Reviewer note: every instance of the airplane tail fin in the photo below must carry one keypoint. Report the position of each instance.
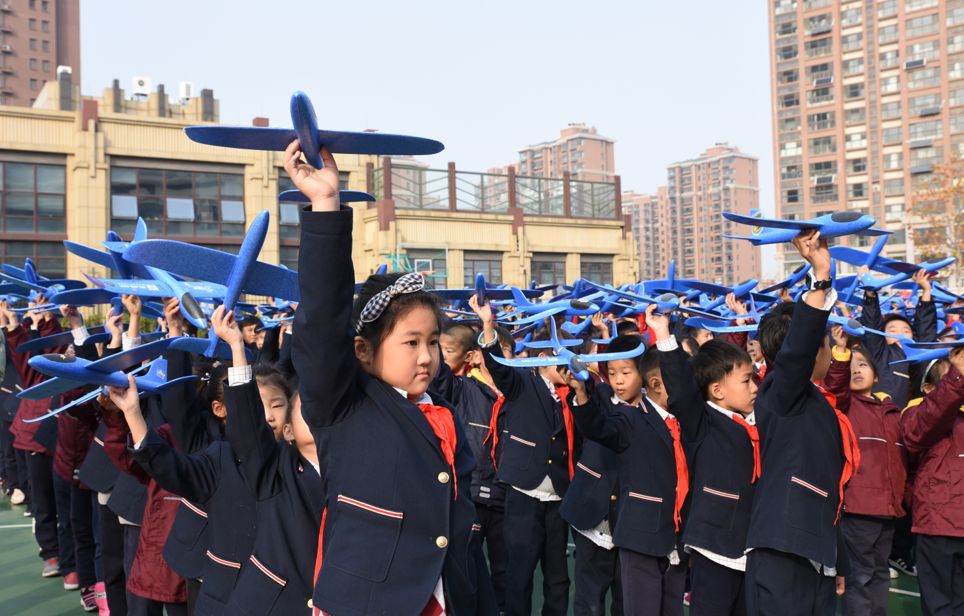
(519, 297)
(140, 231)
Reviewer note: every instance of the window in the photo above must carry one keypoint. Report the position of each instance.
(931, 50)
(431, 264)
(889, 85)
(891, 135)
(819, 47)
(824, 167)
(855, 141)
(33, 44)
(853, 67)
(921, 26)
(820, 71)
(929, 155)
(887, 34)
(957, 97)
(549, 268)
(781, 7)
(820, 23)
(955, 43)
(791, 148)
(920, 103)
(821, 121)
(822, 145)
(857, 190)
(489, 264)
(888, 8)
(823, 194)
(45, 45)
(889, 59)
(787, 52)
(33, 198)
(790, 172)
(32, 24)
(34, 84)
(857, 165)
(288, 256)
(48, 257)
(923, 78)
(956, 70)
(850, 17)
(894, 187)
(180, 203)
(288, 211)
(925, 130)
(33, 64)
(955, 16)
(597, 268)
(855, 116)
(852, 41)
(45, 26)
(789, 100)
(790, 124)
(916, 5)
(46, 66)
(893, 160)
(820, 95)
(890, 110)
(786, 29)
(789, 76)
(853, 90)
(791, 195)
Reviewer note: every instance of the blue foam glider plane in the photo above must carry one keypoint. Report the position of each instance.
(29, 278)
(563, 356)
(777, 231)
(311, 139)
(71, 372)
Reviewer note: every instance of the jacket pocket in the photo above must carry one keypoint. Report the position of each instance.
(363, 539)
(805, 506)
(517, 452)
(220, 578)
(191, 525)
(721, 506)
(259, 587)
(641, 512)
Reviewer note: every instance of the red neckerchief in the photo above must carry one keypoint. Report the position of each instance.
(682, 471)
(850, 448)
(563, 392)
(754, 434)
(493, 432)
(443, 425)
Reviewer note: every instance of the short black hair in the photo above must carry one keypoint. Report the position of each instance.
(462, 332)
(628, 342)
(627, 327)
(269, 375)
(773, 329)
(715, 360)
(896, 316)
(399, 306)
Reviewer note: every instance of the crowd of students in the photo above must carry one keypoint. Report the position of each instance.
(375, 457)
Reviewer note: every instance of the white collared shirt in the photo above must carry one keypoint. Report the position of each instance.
(750, 419)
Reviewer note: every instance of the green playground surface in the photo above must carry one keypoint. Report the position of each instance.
(24, 593)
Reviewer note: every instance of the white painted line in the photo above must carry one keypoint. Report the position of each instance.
(16, 526)
(909, 593)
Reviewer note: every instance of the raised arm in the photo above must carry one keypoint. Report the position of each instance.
(925, 315)
(505, 378)
(252, 439)
(685, 401)
(928, 422)
(594, 417)
(837, 380)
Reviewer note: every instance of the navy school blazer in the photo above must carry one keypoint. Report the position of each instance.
(215, 480)
(536, 443)
(647, 470)
(277, 576)
(720, 463)
(393, 526)
(594, 490)
(128, 499)
(796, 497)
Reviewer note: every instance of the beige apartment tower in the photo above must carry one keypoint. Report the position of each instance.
(868, 97)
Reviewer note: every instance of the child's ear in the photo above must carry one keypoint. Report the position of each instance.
(715, 390)
(287, 433)
(363, 351)
(219, 409)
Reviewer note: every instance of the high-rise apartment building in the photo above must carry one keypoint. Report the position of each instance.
(683, 221)
(867, 98)
(580, 151)
(36, 37)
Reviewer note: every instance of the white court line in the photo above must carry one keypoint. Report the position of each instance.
(909, 593)
(16, 526)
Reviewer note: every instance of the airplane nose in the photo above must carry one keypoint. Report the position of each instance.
(191, 308)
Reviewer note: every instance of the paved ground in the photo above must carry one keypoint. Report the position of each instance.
(24, 592)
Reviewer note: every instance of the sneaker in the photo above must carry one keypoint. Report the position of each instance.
(71, 581)
(51, 568)
(894, 573)
(904, 566)
(100, 597)
(88, 599)
(17, 497)
(27, 513)
(687, 596)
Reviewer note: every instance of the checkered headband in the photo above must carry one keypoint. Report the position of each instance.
(408, 283)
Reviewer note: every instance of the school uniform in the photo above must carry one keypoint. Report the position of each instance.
(648, 521)
(537, 462)
(214, 479)
(724, 467)
(590, 507)
(277, 577)
(395, 531)
(934, 435)
(874, 497)
(792, 531)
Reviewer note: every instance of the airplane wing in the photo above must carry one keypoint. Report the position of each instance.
(54, 340)
(599, 357)
(49, 388)
(773, 223)
(83, 297)
(338, 142)
(493, 294)
(344, 196)
(91, 254)
(213, 266)
(126, 359)
(137, 286)
(532, 362)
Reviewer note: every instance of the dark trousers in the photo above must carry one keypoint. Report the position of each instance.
(493, 537)
(905, 541)
(112, 561)
(596, 572)
(651, 586)
(717, 590)
(65, 532)
(534, 531)
(82, 525)
(193, 590)
(868, 542)
(43, 503)
(8, 458)
(940, 572)
(786, 585)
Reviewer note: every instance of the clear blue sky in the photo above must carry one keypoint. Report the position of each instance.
(664, 79)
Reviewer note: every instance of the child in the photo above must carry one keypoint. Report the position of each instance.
(392, 453)
(653, 477)
(933, 432)
(537, 462)
(808, 454)
(713, 397)
(874, 497)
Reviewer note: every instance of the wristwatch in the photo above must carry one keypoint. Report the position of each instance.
(821, 285)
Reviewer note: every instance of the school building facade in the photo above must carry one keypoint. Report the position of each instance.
(72, 167)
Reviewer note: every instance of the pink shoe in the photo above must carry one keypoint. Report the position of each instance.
(71, 581)
(100, 597)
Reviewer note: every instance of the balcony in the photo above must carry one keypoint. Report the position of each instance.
(414, 187)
